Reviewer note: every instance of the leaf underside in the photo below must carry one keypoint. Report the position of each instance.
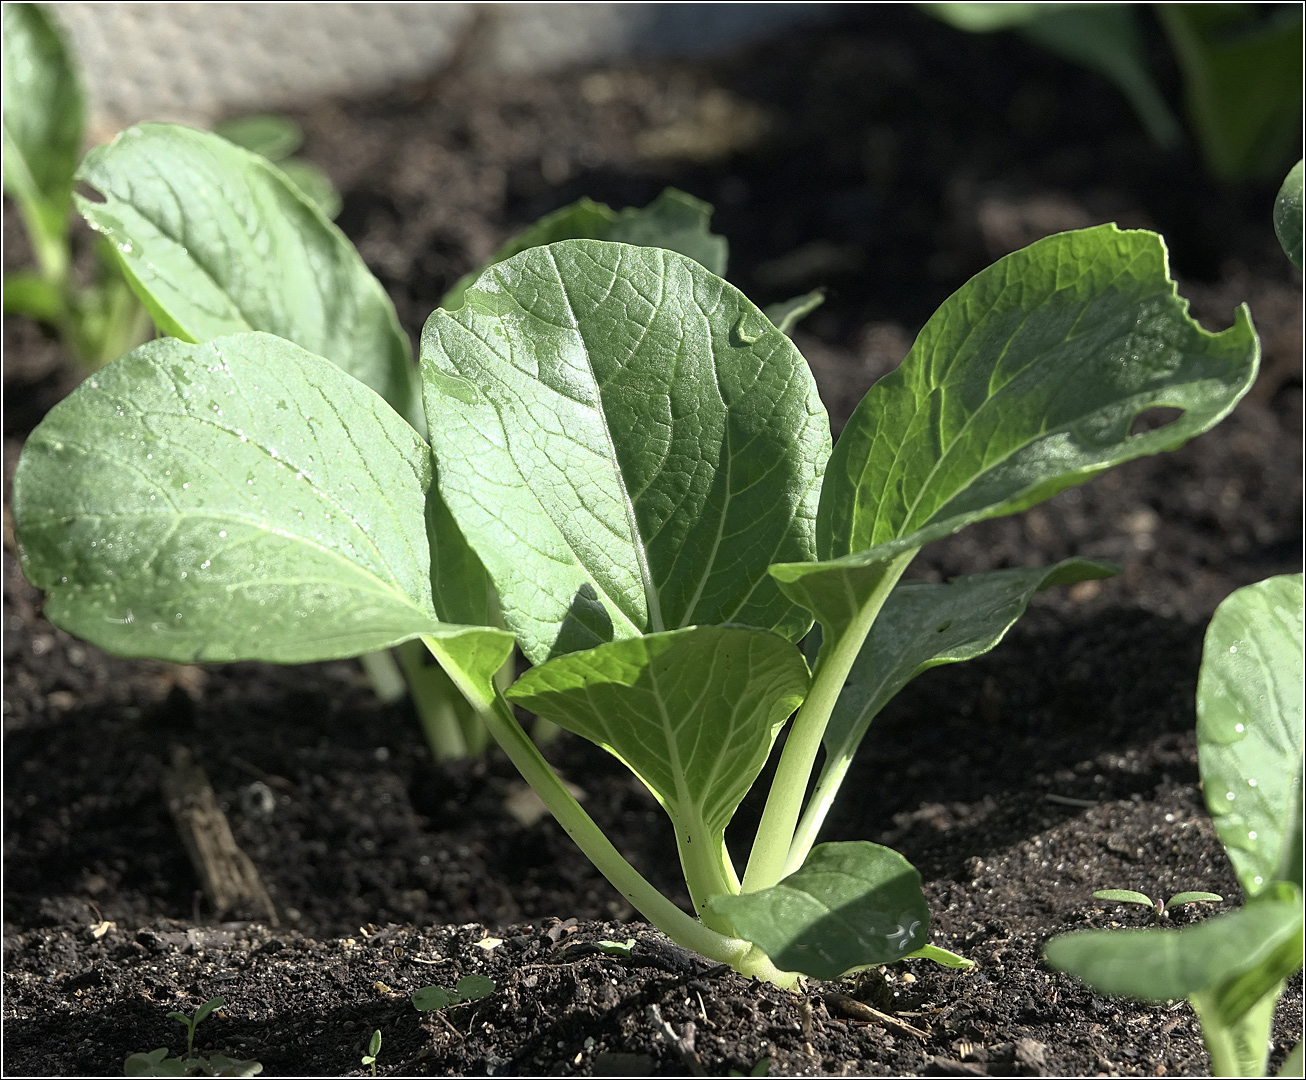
(242, 499)
(626, 442)
(1249, 728)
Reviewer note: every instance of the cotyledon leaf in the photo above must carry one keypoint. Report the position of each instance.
(851, 904)
(692, 712)
(215, 240)
(674, 220)
(626, 442)
(1025, 382)
(1249, 728)
(242, 499)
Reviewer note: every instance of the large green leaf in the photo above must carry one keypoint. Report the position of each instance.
(674, 220)
(242, 499)
(692, 712)
(1288, 215)
(43, 109)
(1157, 965)
(1025, 382)
(1242, 67)
(626, 442)
(1249, 728)
(215, 240)
(850, 905)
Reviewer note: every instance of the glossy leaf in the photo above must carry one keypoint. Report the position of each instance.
(1249, 727)
(1158, 965)
(1192, 898)
(216, 240)
(851, 904)
(44, 111)
(242, 499)
(626, 442)
(1288, 215)
(1123, 896)
(1025, 382)
(674, 220)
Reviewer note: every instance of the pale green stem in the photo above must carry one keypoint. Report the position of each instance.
(1241, 1048)
(707, 868)
(682, 928)
(809, 826)
(384, 676)
(766, 864)
(433, 696)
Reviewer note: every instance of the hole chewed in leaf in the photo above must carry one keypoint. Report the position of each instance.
(1152, 419)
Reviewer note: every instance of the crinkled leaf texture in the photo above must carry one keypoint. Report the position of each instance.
(1025, 382)
(850, 904)
(692, 712)
(1157, 965)
(626, 442)
(242, 499)
(674, 220)
(1249, 729)
(215, 240)
(43, 112)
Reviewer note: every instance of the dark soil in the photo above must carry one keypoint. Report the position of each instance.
(888, 159)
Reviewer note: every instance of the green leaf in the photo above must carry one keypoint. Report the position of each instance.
(923, 625)
(242, 499)
(1158, 965)
(1123, 896)
(616, 948)
(790, 313)
(155, 1063)
(1288, 215)
(626, 442)
(221, 1065)
(374, 1044)
(674, 220)
(980, 18)
(1249, 727)
(43, 110)
(203, 1011)
(274, 137)
(1192, 898)
(1295, 1064)
(941, 956)
(1243, 82)
(474, 987)
(1023, 383)
(693, 713)
(851, 904)
(314, 183)
(215, 240)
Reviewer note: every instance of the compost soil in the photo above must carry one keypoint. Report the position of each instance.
(887, 159)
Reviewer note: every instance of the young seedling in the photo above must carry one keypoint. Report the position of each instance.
(1232, 966)
(627, 475)
(158, 1063)
(373, 1050)
(468, 988)
(1159, 907)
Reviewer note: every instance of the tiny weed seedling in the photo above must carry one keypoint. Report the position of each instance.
(622, 467)
(1159, 907)
(468, 988)
(158, 1063)
(373, 1049)
(1232, 966)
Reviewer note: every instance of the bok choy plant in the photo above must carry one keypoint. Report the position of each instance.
(627, 473)
(1232, 966)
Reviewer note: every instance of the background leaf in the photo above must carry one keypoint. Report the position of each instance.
(216, 240)
(242, 499)
(1025, 382)
(626, 442)
(44, 110)
(1288, 215)
(789, 313)
(692, 712)
(1157, 965)
(272, 136)
(851, 904)
(1249, 727)
(674, 220)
